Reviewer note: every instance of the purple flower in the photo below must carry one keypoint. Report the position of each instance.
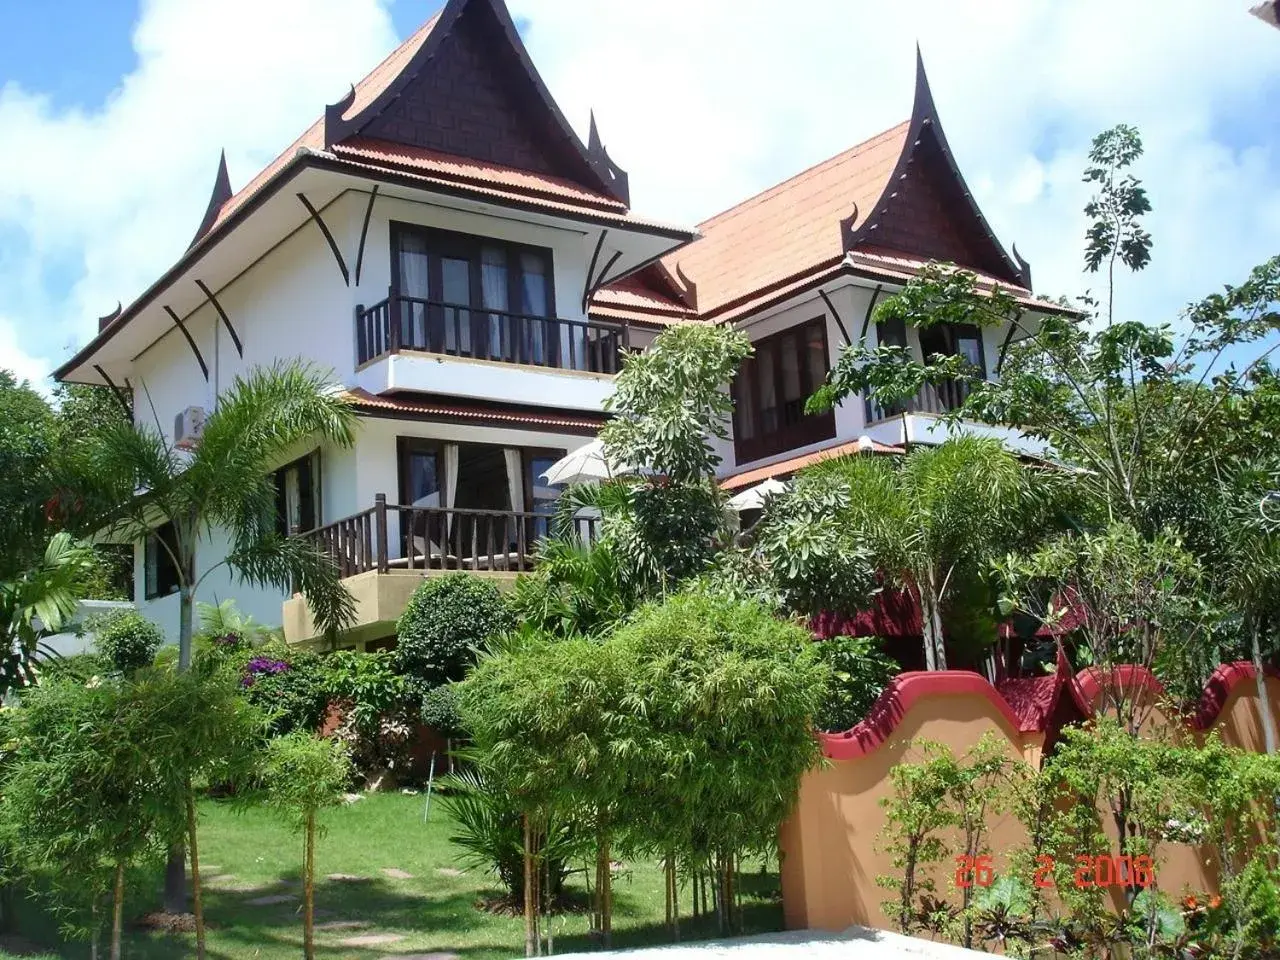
(228, 640)
(259, 666)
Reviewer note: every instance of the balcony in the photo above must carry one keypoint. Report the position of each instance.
(401, 323)
(930, 398)
(384, 552)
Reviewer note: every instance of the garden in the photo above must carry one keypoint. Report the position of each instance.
(604, 755)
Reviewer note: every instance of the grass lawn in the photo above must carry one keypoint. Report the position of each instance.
(250, 855)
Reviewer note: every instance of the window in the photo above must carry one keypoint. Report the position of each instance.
(954, 339)
(944, 339)
(298, 495)
(476, 297)
(771, 389)
(161, 572)
(542, 495)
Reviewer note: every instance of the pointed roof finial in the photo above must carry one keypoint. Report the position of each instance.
(923, 105)
(593, 136)
(220, 195)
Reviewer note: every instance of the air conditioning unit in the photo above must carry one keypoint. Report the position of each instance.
(187, 427)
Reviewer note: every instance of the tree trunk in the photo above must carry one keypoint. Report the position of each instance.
(309, 888)
(175, 873)
(673, 896)
(1264, 698)
(606, 893)
(530, 943)
(117, 912)
(935, 656)
(197, 906)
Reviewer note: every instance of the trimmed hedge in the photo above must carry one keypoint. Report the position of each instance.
(445, 619)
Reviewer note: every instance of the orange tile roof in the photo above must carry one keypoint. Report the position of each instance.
(632, 299)
(467, 170)
(791, 229)
(904, 265)
(785, 468)
(448, 409)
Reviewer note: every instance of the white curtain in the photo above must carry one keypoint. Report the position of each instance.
(493, 288)
(414, 282)
(450, 481)
(515, 477)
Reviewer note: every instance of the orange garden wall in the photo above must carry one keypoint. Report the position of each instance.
(829, 844)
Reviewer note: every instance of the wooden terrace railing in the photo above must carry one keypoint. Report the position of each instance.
(461, 330)
(388, 536)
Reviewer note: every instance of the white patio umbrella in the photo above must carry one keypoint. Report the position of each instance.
(753, 498)
(587, 464)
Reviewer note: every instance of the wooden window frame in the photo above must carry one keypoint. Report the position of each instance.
(407, 445)
(469, 246)
(811, 428)
(163, 560)
(317, 488)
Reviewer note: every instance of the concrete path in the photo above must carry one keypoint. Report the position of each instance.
(859, 942)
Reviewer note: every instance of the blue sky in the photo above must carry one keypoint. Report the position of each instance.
(76, 51)
(121, 107)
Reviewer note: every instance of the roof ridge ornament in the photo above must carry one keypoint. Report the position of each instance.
(110, 318)
(333, 113)
(220, 195)
(1024, 268)
(598, 157)
(690, 290)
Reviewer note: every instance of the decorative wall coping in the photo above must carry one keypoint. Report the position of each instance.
(1027, 704)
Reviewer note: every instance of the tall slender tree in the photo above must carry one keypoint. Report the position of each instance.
(133, 480)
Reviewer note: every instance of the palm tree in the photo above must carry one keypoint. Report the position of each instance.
(933, 521)
(133, 480)
(137, 481)
(39, 601)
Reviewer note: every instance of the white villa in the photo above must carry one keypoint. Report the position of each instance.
(471, 271)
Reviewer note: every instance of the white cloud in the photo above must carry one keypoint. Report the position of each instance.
(24, 366)
(95, 205)
(706, 103)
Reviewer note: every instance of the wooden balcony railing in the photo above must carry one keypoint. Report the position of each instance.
(388, 536)
(930, 398)
(460, 330)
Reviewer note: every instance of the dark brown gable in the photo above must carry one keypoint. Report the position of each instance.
(927, 210)
(463, 102)
(928, 215)
(471, 91)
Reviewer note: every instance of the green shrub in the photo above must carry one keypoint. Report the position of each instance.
(488, 829)
(439, 710)
(860, 670)
(367, 683)
(126, 639)
(77, 667)
(445, 619)
(291, 686)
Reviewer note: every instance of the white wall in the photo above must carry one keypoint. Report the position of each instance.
(293, 303)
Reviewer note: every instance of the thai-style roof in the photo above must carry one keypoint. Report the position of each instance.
(457, 109)
(460, 88)
(881, 209)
